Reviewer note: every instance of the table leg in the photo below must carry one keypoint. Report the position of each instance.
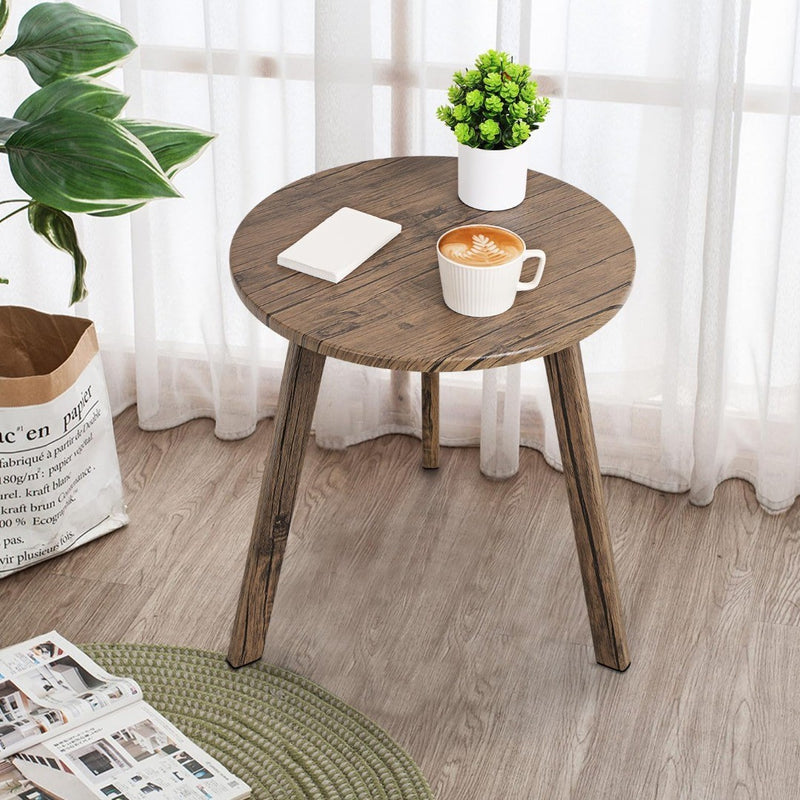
(302, 374)
(582, 472)
(430, 420)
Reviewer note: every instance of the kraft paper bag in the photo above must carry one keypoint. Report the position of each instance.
(60, 485)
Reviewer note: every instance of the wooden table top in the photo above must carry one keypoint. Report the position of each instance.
(389, 312)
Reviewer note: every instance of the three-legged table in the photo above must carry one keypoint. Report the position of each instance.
(390, 313)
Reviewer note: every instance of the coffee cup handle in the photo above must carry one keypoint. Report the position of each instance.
(524, 286)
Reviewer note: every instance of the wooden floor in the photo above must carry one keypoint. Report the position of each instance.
(449, 609)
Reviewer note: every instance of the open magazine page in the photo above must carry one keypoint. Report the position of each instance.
(15, 786)
(132, 752)
(47, 684)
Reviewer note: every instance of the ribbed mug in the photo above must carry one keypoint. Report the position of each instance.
(483, 288)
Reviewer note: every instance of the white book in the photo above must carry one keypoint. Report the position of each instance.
(339, 244)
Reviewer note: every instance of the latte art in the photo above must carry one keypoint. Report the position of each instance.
(481, 246)
(483, 251)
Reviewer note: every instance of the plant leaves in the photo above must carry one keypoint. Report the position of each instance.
(58, 229)
(78, 94)
(8, 126)
(55, 40)
(117, 212)
(3, 14)
(76, 162)
(174, 146)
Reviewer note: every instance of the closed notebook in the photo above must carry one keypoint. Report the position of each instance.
(339, 244)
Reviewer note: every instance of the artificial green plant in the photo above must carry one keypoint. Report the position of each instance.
(67, 149)
(493, 106)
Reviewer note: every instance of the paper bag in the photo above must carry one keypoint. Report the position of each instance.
(60, 484)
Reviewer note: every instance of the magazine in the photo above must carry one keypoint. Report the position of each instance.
(69, 730)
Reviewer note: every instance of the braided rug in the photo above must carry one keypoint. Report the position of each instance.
(283, 735)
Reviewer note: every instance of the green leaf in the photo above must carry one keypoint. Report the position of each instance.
(493, 104)
(117, 212)
(461, 113)
(455, 94)
(8, 126)
(77, 162)
(493, 82)
(465, 134)
(445, 114)
(528, 92)
(56, 40)
(58, 229)
(3, 14)
(174, 146)
(518, 110)
(78, 94)
(474, 99)
(489, 131)
(541, 107)
(509, 91)
(473, 79)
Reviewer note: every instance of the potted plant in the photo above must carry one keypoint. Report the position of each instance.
(69, 153)
(493, 110)
(67, 149)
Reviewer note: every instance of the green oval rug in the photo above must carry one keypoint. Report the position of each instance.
(283, 735)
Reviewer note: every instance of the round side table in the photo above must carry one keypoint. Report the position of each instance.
(390, 313)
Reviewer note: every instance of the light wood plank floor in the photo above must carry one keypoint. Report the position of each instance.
(449, 609)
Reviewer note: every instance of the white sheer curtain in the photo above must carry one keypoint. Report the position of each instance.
(681, 117)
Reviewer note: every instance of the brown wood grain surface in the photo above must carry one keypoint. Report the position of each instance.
(585, 492)
(480, 667)
(390, 312)
(430, 419)
(299, 388)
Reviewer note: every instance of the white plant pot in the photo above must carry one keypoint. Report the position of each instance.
(492, 180)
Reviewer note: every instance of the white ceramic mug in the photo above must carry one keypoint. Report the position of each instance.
(483, 291)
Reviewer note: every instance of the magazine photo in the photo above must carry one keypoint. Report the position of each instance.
(71, 731)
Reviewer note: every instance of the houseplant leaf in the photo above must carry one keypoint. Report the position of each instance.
(8, 126)
(55, 40)
(174, 146)
(77, 162)
(58, 229)
(78, 94)
(3, 14)
(118, 211)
